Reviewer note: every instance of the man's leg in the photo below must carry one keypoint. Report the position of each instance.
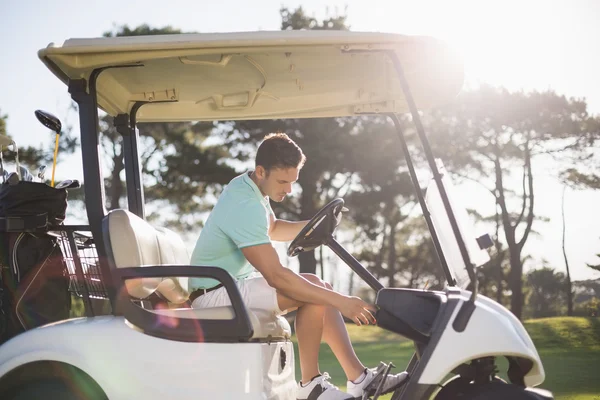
(309, 331)
(315, 323)
(333, 330)
(336, 336)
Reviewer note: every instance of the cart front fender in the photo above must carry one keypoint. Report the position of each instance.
(492, 331)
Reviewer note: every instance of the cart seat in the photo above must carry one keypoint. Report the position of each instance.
(264, 323)
(134, 242)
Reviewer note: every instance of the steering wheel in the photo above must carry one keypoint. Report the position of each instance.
(318, 229)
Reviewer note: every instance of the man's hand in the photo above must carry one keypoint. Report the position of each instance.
(265, 259)
(357, 310)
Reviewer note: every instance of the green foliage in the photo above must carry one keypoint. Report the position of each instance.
(141, 30)
(589, 308)
(595, 266)
(579, 180)
(587, 298)
(3, 119)
(298, 19)
(546, 292)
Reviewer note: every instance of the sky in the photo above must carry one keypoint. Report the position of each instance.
(530, 45)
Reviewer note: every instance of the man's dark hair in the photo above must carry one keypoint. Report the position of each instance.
(279, 151)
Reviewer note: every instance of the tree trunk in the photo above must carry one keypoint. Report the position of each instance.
(308, 182)
(515, 283)
(116, 185)
(498, 260)
(391, 264)
(351, 283)
(321, 263)
(515, 280)
(564, 250)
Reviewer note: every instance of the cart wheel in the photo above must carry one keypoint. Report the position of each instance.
(456, 388)
(498, 389)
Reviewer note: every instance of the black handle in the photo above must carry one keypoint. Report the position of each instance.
(185, 329)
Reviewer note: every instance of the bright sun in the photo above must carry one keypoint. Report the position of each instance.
(506, 43)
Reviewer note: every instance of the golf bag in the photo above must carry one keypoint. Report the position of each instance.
(34, 281)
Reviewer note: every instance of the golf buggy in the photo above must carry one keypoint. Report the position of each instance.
(138, 351)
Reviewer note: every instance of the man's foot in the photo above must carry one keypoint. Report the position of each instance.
(369, 381)
(320, 388)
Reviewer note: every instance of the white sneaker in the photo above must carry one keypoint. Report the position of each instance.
(320, 388)
(371, 381)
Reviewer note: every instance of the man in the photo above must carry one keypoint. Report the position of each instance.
(237, 237)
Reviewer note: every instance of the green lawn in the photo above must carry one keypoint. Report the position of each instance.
(569, 347)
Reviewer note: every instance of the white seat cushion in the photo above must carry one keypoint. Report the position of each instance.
(265, 324)
(134, 242)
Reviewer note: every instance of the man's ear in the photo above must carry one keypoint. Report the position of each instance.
(261, 172)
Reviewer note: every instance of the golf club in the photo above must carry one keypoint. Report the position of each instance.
(26, 176)
(53, 123)
(13, 179)
(69, 184)
(41, 173)
(5, 141)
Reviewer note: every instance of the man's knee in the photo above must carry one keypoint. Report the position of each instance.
(312, 278)
(316, 280)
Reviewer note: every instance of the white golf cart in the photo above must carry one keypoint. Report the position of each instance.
(141, 352)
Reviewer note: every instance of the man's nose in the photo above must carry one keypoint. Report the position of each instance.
(288, 188)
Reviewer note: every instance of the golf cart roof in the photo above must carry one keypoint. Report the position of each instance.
(259, 75)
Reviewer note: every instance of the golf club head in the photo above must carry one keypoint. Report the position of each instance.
(41, 172)
(68, 184)
(49, 120)
(5, 141)
(26, 176)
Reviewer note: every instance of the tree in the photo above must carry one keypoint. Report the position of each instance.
(3, 119)
(596, 266)
(547, 292)
(494, 136)
(569, 285)
(297, 20)
(575, 178)
(404, 256)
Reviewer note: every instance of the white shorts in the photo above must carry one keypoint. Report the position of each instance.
(256, 294)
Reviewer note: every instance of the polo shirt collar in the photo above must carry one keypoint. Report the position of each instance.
(255, 188)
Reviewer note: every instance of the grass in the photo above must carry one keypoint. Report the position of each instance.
(570, 351)
(569, 348)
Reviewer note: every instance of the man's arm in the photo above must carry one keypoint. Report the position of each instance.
(285, 231)
(265, 259)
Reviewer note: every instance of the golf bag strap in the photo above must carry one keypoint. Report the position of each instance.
(25, 223)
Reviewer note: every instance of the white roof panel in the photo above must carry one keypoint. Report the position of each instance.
(256, 75)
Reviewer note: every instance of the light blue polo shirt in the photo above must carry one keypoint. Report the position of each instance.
(240, 219)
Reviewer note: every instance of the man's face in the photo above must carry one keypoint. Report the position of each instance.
(277, 183)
